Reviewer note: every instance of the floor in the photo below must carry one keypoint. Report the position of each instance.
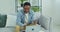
(56, 29)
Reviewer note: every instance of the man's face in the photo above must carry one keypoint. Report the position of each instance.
(26, 8)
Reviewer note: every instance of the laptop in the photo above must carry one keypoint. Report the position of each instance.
(34, 28)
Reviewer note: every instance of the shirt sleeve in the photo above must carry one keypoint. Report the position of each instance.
(32, 19)
(18, 21)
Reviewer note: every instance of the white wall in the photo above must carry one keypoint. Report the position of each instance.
(57, 11)
(52, 8)
(7, 6)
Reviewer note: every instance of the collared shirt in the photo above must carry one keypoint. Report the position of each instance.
(21, 17)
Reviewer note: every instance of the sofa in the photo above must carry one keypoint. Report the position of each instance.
(46, 23)
(9, 22)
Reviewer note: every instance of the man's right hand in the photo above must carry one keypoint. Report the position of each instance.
(25, 24)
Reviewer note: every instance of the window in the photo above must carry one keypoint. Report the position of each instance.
(36, 5)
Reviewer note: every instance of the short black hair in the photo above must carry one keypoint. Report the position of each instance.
(27, 3)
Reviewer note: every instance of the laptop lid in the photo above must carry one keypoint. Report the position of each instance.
(34, 28)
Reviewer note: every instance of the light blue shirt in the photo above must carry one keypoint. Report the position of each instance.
(21, 17)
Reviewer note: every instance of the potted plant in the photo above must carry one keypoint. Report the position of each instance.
(22, 2)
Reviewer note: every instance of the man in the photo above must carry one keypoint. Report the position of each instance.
(24, 16)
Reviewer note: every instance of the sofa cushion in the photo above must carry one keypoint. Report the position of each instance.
(3, 20)
(44, 22)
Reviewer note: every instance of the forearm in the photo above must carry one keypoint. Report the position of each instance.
(17, 28)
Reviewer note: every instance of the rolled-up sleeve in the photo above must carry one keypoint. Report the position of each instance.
(18, 21)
